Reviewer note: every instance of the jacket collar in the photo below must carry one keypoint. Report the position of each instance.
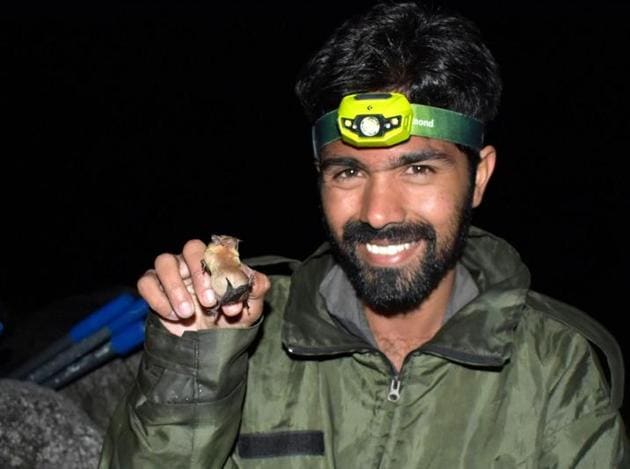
(480, 334)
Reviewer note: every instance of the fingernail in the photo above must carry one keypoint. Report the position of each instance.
(185, 309)
(209, 297)
(233, 309)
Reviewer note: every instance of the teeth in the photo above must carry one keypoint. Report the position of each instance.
(387, 250)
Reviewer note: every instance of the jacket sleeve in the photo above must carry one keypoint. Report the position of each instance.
(582, 428)
(185, 407)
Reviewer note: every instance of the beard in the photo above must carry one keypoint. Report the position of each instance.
(391, 291)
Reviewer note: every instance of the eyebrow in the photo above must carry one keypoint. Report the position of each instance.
(403, 160)
(344, 161)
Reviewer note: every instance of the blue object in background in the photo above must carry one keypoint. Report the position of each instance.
(101, 317)
(78, 332)
(125, 341)
(134, 312)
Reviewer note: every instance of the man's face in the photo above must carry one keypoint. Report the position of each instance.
(397, 217)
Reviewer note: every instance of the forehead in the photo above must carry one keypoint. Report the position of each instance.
(374, 156)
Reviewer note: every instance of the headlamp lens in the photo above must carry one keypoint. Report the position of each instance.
(370, 126)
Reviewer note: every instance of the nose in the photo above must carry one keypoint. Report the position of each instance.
(382, 202)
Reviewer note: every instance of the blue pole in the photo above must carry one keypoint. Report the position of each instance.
(124, 342)
(134, 312)
(79, 331)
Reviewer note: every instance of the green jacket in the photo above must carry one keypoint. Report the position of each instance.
(502, 385)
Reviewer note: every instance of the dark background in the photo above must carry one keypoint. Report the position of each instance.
(131, 128)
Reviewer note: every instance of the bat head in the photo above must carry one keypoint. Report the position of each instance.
(226, 241)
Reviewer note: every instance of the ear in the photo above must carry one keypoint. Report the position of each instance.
(488, 156)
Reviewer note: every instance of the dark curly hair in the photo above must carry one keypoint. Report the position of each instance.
(433, 57)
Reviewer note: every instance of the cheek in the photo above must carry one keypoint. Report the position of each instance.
(339, 207)
(434, 206)
(333, 209)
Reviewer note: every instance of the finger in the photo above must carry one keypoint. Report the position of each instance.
(260, 285)
(232, 309)
(167, 269)
(184, 271)
(193, 255)
(149, 288)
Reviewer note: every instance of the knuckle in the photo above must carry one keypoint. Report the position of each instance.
(193, 245)
(197, 272)
(163, 260)
(262, 283)
(174, 289)
(178, 293)
(141, 284)
(163, 308)
(149, 290)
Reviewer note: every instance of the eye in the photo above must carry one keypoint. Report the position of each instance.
(346, 173)
(420, 169)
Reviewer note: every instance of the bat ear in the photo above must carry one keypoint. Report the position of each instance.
(225, 240)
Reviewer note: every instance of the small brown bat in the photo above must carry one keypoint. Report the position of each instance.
(230, 279)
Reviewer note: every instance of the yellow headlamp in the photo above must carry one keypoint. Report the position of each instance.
(386, 119)
(374, 119)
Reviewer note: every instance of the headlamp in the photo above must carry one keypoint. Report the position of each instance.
(374, 119)
(386, 119)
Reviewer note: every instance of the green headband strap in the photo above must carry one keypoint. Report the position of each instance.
(428, 121)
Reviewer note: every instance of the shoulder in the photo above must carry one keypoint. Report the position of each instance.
(554, 319)
(566, 340)
(551, 321)
(556, 328)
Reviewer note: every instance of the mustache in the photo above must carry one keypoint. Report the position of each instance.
(360, 232)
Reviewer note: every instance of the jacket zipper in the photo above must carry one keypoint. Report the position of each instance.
(394, 389)
(393, 395)
(393, 392)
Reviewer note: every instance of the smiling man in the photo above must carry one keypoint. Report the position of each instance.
(411, 338)
(398, 220)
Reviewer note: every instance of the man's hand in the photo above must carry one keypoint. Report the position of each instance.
(178, 290)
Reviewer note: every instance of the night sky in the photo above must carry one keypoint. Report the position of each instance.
(129, 129)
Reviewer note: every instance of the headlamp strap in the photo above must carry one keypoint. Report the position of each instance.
(427, 121)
